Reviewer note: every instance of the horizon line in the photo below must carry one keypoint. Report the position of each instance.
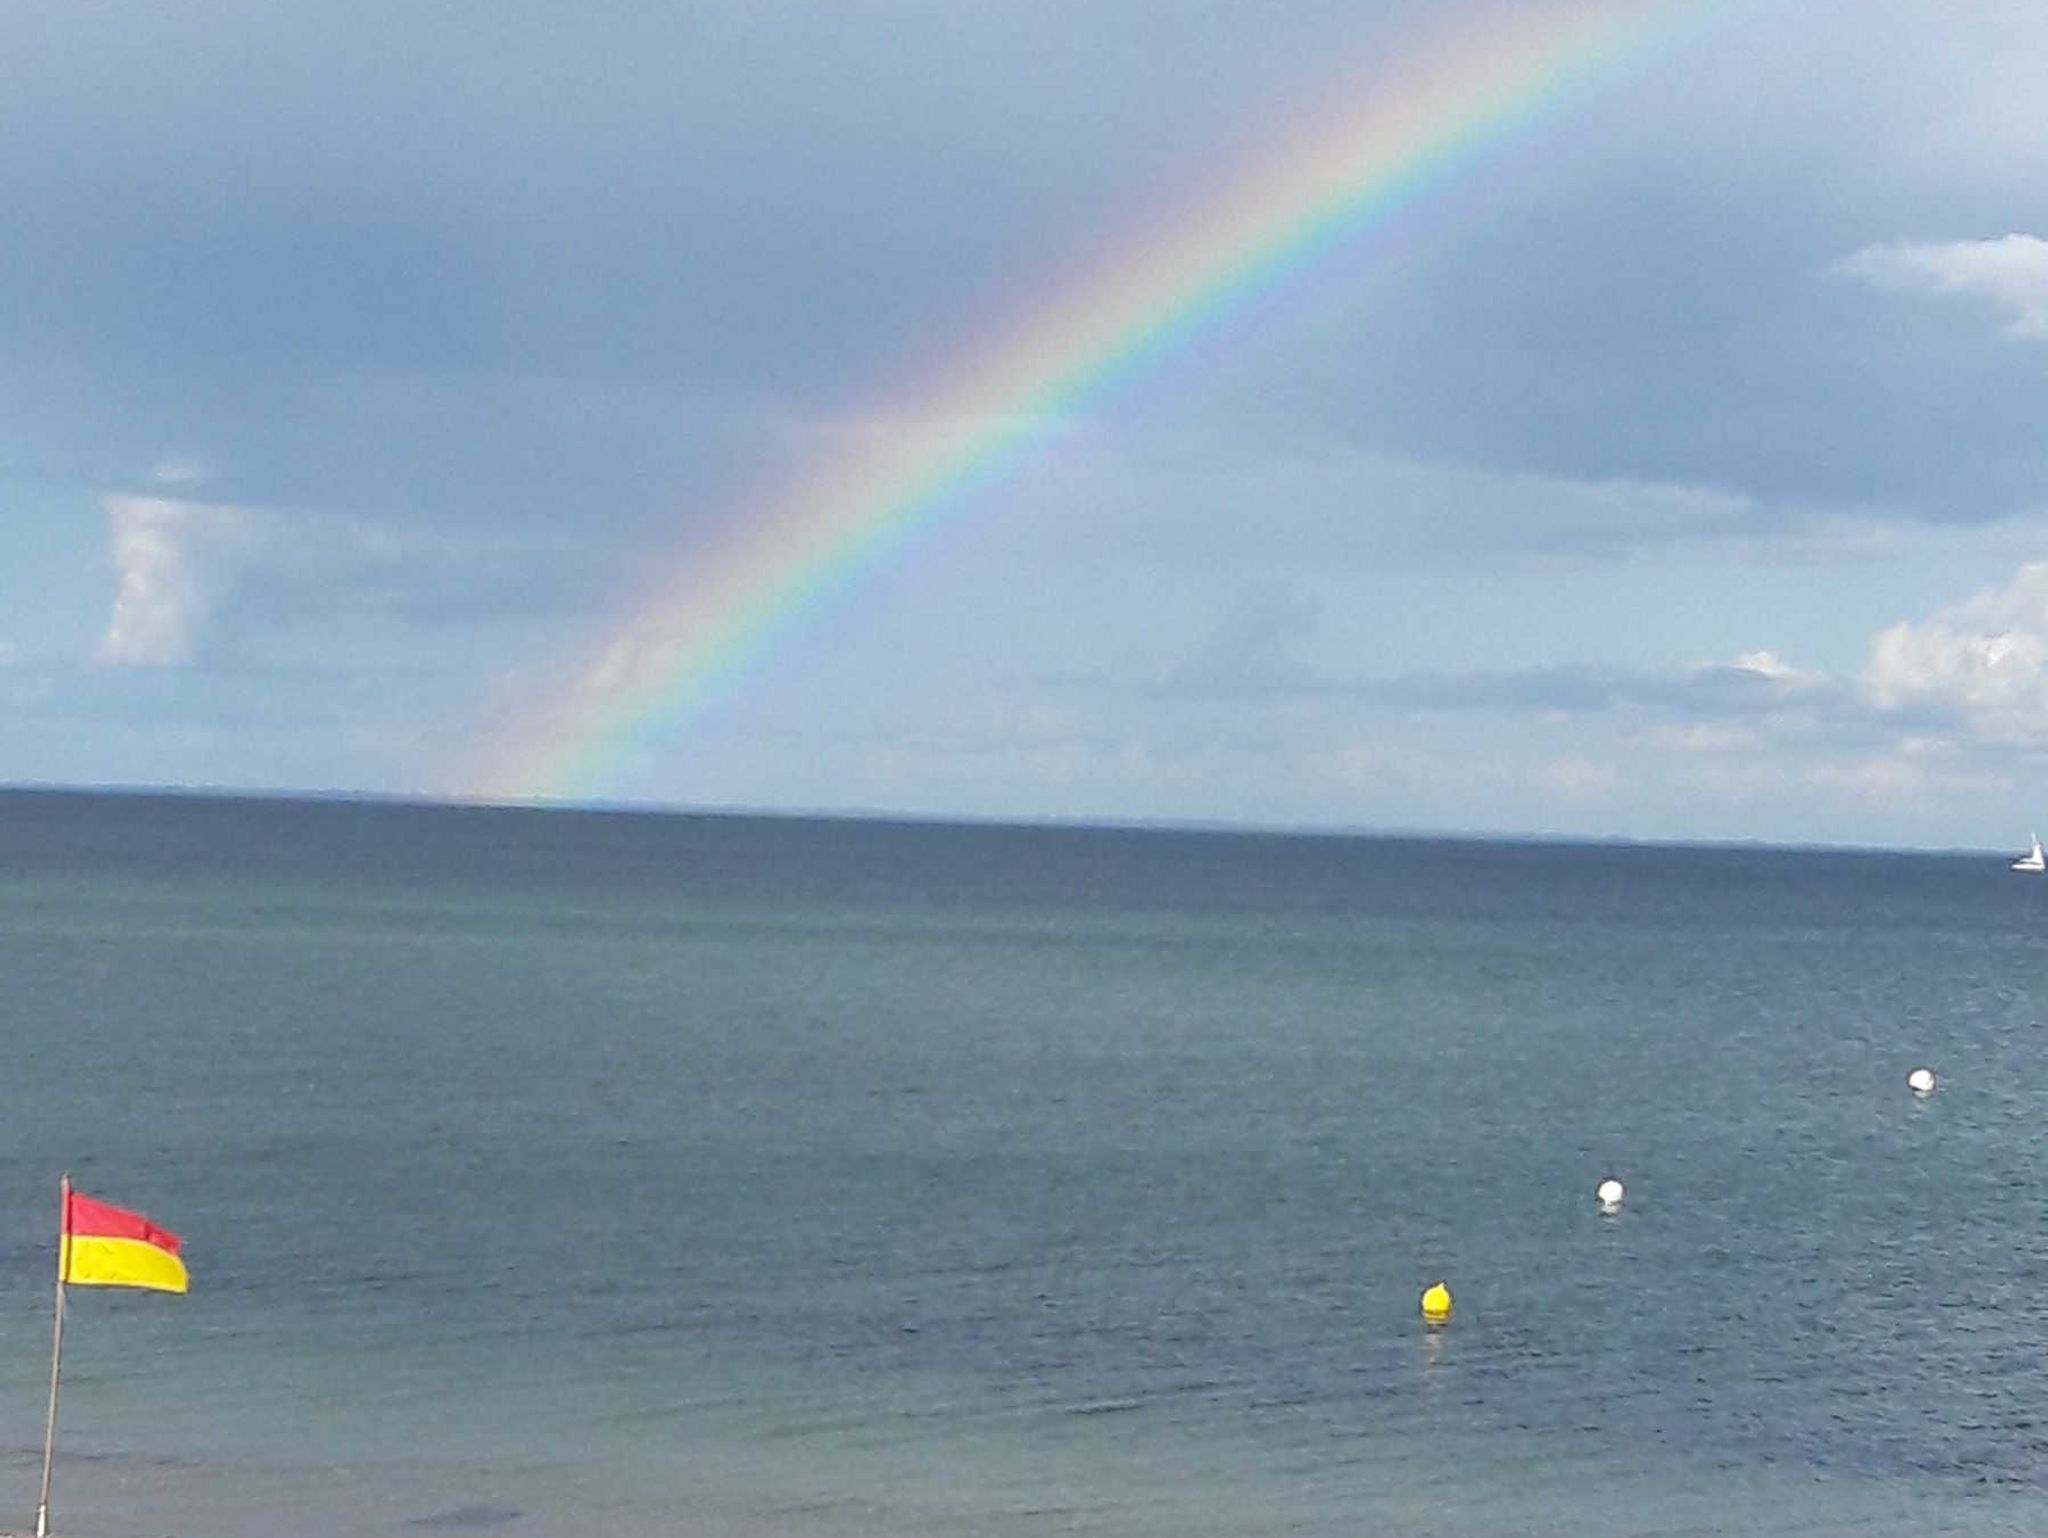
(1220, 827)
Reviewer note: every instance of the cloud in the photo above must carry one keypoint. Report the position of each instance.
(312, 565)
(1755, 684)
(1908, 768)
(1705, 738)
(194, 577)
(1206, 500)
(174, 560)
(1248, 658)
(2011, 272)
(181, 470)
(1880, 777)
(1249, 651)
(1769, 665)
(1579, 779)
(1936, 700)
(1983, 662)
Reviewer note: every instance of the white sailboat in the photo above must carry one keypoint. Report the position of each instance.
(2035, 859)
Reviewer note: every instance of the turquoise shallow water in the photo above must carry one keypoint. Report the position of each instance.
(550, 1173)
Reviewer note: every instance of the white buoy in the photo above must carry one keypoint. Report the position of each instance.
(1921, 1082)
(1610, 1194)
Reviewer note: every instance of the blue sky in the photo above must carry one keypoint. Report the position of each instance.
(1682, 478)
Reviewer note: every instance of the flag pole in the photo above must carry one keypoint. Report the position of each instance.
(56, 1356)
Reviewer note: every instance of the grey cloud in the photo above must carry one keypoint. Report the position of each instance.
(1664, 308)
(808, 204)
(252, 726)
(1250, 651)
(600, 461)
(315, 565)
(1229, 502)
(211, 697)
(577, 292)
(754, 193)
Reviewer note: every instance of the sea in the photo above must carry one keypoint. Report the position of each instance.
(544, 1172)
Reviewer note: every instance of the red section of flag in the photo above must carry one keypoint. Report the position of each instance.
(85, 1218)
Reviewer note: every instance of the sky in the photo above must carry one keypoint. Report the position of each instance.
(370, 373)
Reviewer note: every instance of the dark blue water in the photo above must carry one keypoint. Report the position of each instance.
(544, 1172)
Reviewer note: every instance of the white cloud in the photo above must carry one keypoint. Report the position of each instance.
(2011, 272)
(174, 560)
(1984, 660)
(1769, 665)
(634, 659)
(617, 665)
(186, 470)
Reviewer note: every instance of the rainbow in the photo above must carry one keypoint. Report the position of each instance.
(1407, 134)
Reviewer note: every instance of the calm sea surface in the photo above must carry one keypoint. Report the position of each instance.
(553, 1174)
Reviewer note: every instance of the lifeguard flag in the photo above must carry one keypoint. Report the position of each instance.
(108, 1246)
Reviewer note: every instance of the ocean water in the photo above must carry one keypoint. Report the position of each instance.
(549, 1173)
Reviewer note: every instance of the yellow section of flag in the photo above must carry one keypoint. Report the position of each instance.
(107, 1246)
(99, 1262)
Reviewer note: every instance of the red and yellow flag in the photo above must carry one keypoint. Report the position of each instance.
(108, 1246)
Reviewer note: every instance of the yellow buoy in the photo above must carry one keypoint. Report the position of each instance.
(1436, 1303)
